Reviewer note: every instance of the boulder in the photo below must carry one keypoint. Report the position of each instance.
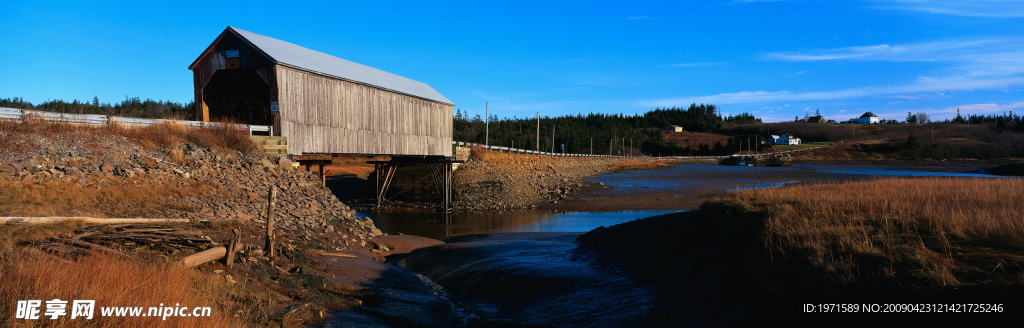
(284, 163)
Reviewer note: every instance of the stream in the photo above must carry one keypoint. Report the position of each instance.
(530, 271)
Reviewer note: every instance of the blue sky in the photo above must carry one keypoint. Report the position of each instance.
(774, 58)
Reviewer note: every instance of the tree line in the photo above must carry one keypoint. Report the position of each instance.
(129, 107)
(598, 133)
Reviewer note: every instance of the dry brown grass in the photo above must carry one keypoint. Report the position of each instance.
(14, 134)
(479, 153)
(171, 135)
(13, 234)
(116, 282)
(99, 197)
(940, 232)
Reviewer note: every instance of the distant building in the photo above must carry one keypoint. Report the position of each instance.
(815, 119)
(867, 118)
(785, 139)
(673, 128)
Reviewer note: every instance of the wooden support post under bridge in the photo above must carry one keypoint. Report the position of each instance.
(385, 171)
(319, 160)
(441, 170)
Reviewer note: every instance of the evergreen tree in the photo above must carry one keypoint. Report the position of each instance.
(911, 118)
(959, 119)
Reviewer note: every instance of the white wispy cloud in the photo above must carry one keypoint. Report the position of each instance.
(930, 51)
(797, 73)
(922, 84)
(970, 64)
(971, 8)
(636, 17)
(991, 108)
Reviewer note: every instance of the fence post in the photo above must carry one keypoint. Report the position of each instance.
(271, 238)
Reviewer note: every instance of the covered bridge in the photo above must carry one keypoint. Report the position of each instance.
(321, 103)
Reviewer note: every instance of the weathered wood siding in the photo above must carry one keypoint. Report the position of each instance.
(320, 114)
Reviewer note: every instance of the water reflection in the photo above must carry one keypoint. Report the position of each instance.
(439, 225)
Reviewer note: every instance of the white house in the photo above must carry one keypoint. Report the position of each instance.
(673, 128)
(785, 139)
(867, 118)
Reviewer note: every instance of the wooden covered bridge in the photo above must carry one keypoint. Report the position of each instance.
(325, 106)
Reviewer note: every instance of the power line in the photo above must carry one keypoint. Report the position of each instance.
(90, 42)
(100, 26)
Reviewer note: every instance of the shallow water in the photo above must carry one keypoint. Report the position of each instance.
(537, 280)
(439, 225)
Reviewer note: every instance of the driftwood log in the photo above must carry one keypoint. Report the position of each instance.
(208, 255)
(51, 219)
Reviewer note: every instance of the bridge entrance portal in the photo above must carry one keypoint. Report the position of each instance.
(239, 95)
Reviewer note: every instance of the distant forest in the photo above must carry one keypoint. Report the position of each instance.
(130, 107)
(601, 133)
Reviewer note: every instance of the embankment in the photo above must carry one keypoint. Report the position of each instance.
(326, 258)
(497, 181)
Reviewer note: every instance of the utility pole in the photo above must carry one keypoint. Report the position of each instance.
(748, 144)
(630, 146)
(552, 138)
(610, 141)
(591, 145)
(487, 124)
(538, 132)
(623, 143)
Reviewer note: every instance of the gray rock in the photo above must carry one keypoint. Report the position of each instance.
(268, 164)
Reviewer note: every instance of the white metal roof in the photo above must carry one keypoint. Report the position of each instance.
(293, 55)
